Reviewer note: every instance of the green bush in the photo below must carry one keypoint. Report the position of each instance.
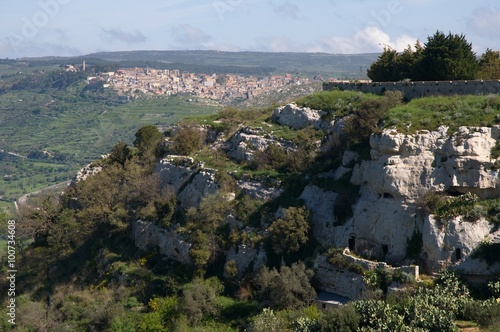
(341, 319)
(290, 288)
(485, 313)
(186, 141)
(291, 232)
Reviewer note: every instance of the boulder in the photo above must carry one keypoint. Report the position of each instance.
(298, 117)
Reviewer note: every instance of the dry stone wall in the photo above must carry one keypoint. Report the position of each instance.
(420, 89)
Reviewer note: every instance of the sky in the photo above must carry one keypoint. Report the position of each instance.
(32, 28)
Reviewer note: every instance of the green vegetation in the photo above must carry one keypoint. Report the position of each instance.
(291, 232)
(431, 112)
(469, 206)
(81, 270)
(443, 57)
(489, 65)
(61, 123)
(488, 252)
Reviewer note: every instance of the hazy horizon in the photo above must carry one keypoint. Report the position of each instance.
(38, 28)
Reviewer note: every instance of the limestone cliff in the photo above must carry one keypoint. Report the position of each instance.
(386, 211)
(402, 169)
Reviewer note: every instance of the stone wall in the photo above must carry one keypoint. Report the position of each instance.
(371, 265)
(420, 89)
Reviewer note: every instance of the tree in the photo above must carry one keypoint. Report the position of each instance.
(187, 140)
(289, 288)
(407, 60)
(385, 68)
(446, 57)
(206, 226)
(291, 232)
(199, 299)
(148, 140)
(120, 153)
(341, 319)
(489, 65)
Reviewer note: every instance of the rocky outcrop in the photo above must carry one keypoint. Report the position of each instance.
(321, 204)
(385, 214)
(247, 258)
(246, 141)
(402, 169)
(451, 244)
(170, 244)
(258, 189)
(338, 281)
(190, 182)
(299, 117)
(405, 166)
(85, 172)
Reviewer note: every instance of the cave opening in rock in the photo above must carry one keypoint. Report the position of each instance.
(452, 191)
(458, 254)
(352, 243)
(385, 249)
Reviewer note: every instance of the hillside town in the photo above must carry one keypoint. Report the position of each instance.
(173, 82)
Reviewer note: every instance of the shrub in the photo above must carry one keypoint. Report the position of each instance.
(199, 299)
(187, 140)
(267, 321)
(291, 232)
(376, 315)
(288, 288)
(341, 319)
(485, 313)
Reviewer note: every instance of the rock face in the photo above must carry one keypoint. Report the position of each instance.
(385, 213)
(401, 170)
(246, 141)
(258, 190)
(451, 244)
(170, 244)
(85, 172)
(190, 182)
(247, 259)
(341, 282)
(298, 117)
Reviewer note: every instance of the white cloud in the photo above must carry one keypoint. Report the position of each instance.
(486, 22)
(367, 40)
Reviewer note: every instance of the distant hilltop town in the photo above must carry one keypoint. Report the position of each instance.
(172, 82)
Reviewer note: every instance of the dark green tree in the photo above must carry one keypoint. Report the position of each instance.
(187, 140)
(341, 319)
(148, 141)
(291, 232)
(288, 288)
(406, 61)
(120, 154)
(385, 68)
(446, 57)
(489, 65)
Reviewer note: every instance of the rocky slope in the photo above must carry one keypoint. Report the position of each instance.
(387, 212)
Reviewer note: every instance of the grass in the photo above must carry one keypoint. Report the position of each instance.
(454, 111)
(78, 128)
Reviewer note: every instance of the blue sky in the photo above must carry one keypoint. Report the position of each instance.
(75, 27)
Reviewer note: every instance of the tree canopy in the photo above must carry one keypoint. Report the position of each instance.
(489, 65)
(443, 57)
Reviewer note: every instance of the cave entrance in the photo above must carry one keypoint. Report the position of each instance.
(352, 242)
(385, 249)
(453, 191)
(458, 254)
